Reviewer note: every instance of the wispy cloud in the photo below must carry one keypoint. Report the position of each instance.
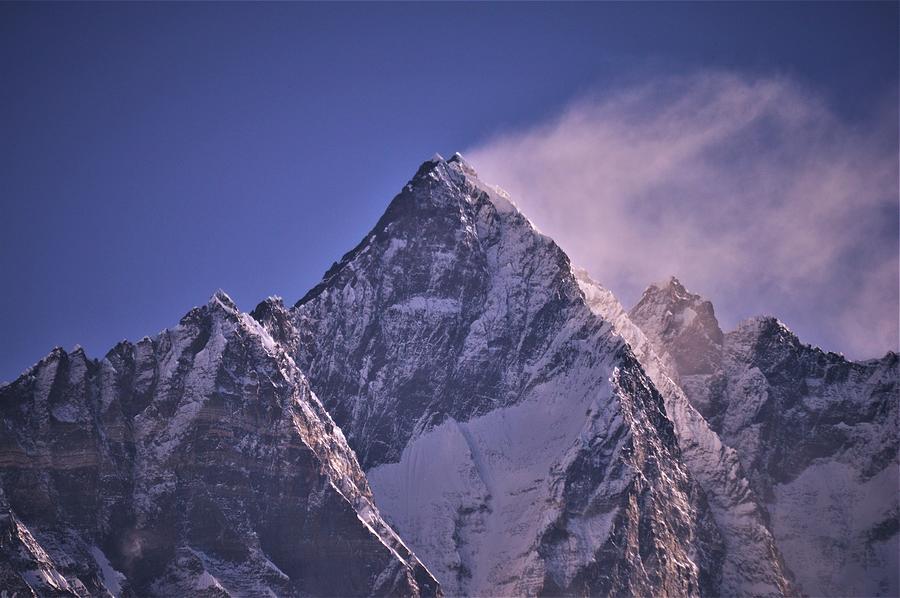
(752, 191)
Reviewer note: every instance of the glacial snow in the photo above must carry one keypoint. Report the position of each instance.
(486, 485)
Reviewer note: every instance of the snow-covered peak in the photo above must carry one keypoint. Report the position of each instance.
(459, 175)
(220, 299)
(451, 247)
(462, 164)
(456, 158)
(764, 325)
(673, 288)
(492, 408)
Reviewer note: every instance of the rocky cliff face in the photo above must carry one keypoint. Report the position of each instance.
(510, 436)
(816, 434)
(198, 463)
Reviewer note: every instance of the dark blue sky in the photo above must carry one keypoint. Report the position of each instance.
(152, 153)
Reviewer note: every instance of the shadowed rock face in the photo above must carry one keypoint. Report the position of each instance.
(816, 433)
(509, 435)
(194, 463)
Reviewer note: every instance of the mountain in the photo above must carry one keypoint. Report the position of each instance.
(509, 435)
(196, 463)
(456, 379)
(753, 565)
(816, 434)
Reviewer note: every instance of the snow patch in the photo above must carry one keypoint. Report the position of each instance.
(112, 579)
(427, 304)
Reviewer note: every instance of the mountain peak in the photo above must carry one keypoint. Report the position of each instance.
(671, 292)
(456, 171)
(441, 183)
(452, 318)
(221, 299)
(447, 168)
(456, 158)
(463, 165)
(682, 322)
(764, 329)
(672, 286)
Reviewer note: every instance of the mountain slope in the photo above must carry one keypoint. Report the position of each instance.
(194, 463)
(817, 435)
(510, 436)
